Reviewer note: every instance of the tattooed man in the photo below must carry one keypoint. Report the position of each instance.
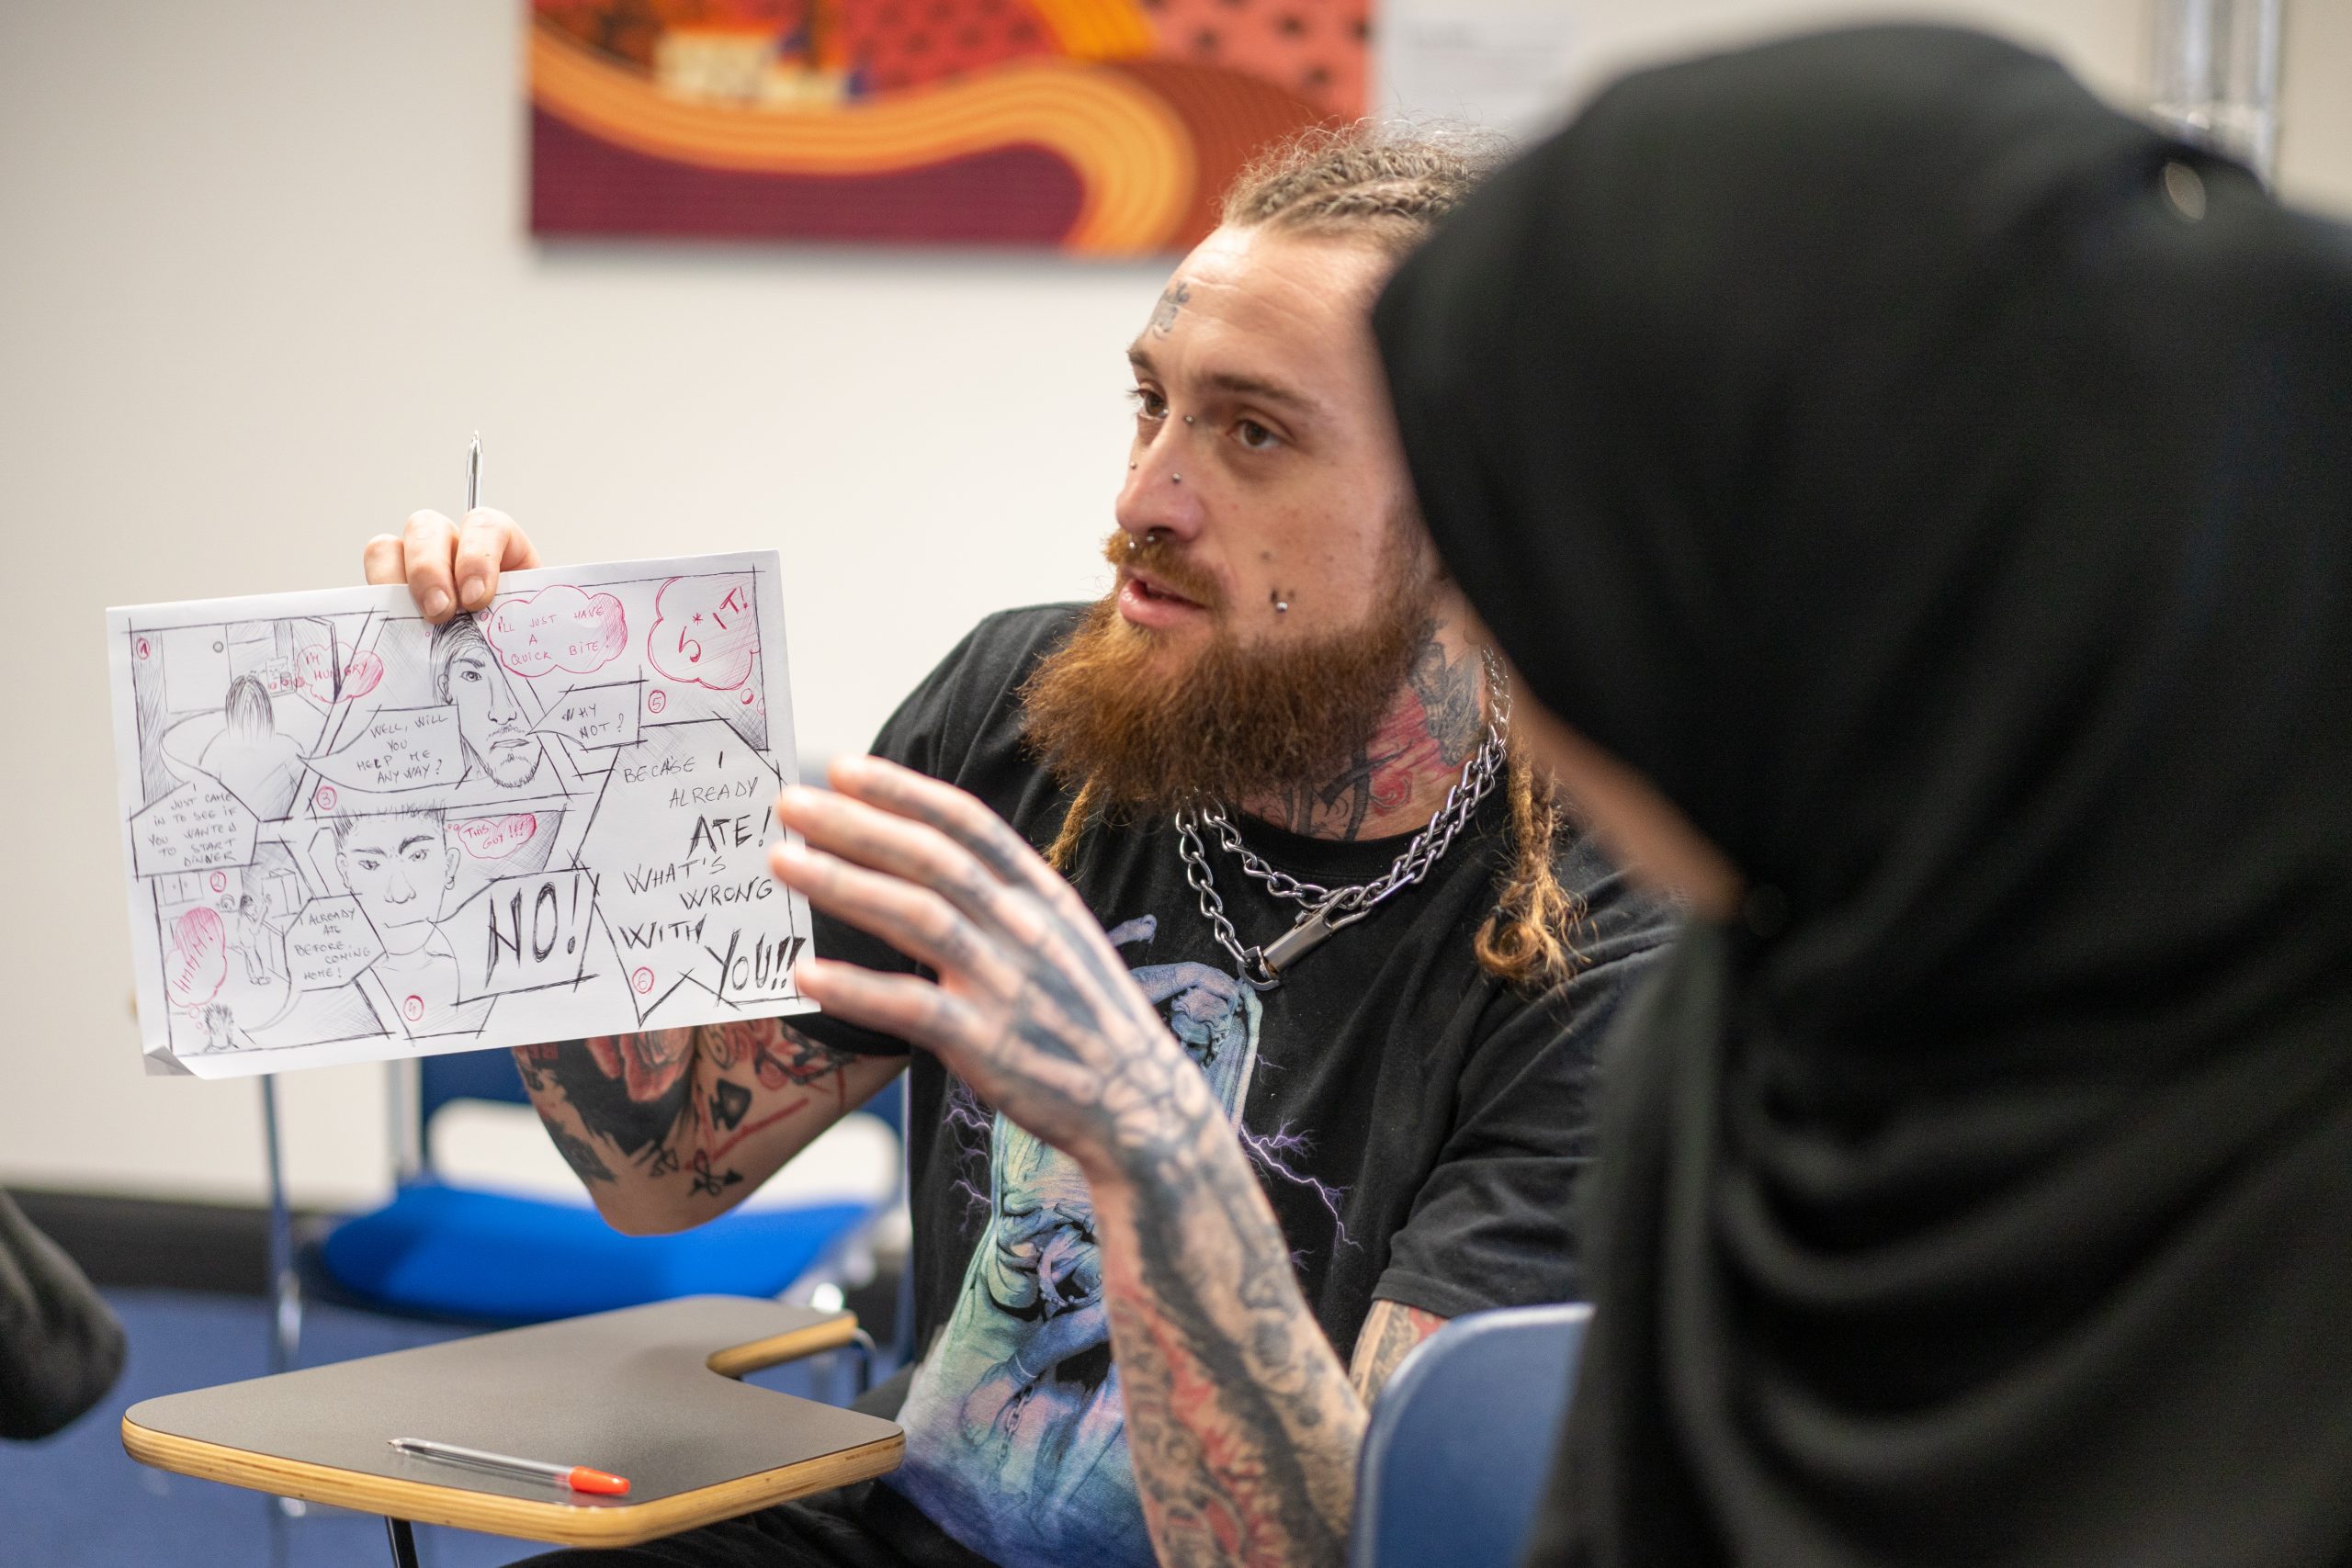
(1188, 1180)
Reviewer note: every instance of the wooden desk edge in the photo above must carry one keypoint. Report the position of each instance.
(737, 1360)
(557, 1524)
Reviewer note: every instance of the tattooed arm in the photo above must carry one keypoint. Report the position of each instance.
(1242, 1423)
(1243, 1428)
(670, 1127)
(1390, 1330)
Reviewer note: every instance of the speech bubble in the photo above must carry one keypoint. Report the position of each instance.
(315, 668)
(400, 749)
(330, 943)
(597, 718)
(704, 632)
(197, 827)
(680, 839)
(495, 838)
(523, 933)
(198, 961)
(557, 628)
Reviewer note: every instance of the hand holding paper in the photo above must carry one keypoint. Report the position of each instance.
(354, 830)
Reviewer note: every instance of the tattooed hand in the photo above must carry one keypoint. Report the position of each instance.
(1240, 1419)
(1032, 1007)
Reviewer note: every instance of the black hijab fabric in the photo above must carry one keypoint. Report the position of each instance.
(1940, 486)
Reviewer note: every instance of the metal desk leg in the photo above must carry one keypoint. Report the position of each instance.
(286, 1297)
(404, 1542)
(284, 1284)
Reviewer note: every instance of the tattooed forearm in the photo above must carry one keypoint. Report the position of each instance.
(1390, 1331)
(578, 1154)
(1242, 1424)
(627, 1090)
(668, 1127)
(789, 1057)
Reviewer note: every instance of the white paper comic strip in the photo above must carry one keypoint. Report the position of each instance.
(351, 835)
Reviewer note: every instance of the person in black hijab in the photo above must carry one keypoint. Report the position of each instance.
(1927, 493)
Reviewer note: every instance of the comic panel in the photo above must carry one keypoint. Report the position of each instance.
(350, 835)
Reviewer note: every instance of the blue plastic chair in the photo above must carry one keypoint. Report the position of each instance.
(500, 1258)
(1461, 1440)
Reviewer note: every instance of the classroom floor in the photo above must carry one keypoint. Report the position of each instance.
(76, 1500)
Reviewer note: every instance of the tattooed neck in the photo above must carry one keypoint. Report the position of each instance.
(1396, 782)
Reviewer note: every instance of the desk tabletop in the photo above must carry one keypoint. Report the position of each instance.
(648, 1392)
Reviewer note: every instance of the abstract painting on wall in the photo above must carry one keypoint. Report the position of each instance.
(1097, 127)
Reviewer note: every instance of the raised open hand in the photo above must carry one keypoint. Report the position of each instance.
(1032, 1006)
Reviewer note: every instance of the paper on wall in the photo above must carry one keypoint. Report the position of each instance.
(351, 836)
(1505, 65)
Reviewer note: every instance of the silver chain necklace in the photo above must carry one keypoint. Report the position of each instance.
(1324, 910)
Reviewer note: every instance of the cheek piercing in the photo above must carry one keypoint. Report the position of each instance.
(1176, 479)
(1188, 419)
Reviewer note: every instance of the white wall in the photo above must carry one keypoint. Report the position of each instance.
(263, 267)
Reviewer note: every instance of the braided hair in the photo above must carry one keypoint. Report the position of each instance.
(1385, 185)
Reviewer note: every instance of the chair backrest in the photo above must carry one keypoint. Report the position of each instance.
(1460, 1440)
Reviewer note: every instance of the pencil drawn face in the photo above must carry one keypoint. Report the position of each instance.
(397, 866)
(497, 737)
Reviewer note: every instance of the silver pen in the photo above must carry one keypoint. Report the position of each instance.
(474, 473)
(578, 1477)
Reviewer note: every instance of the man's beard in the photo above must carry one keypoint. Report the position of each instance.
(1239, 720)
(508, 766)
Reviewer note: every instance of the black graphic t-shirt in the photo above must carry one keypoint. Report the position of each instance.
(1417, 1124)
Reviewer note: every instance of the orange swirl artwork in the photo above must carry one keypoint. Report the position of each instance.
(1099, 127)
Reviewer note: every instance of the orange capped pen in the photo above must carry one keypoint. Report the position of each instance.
(578, 1477)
